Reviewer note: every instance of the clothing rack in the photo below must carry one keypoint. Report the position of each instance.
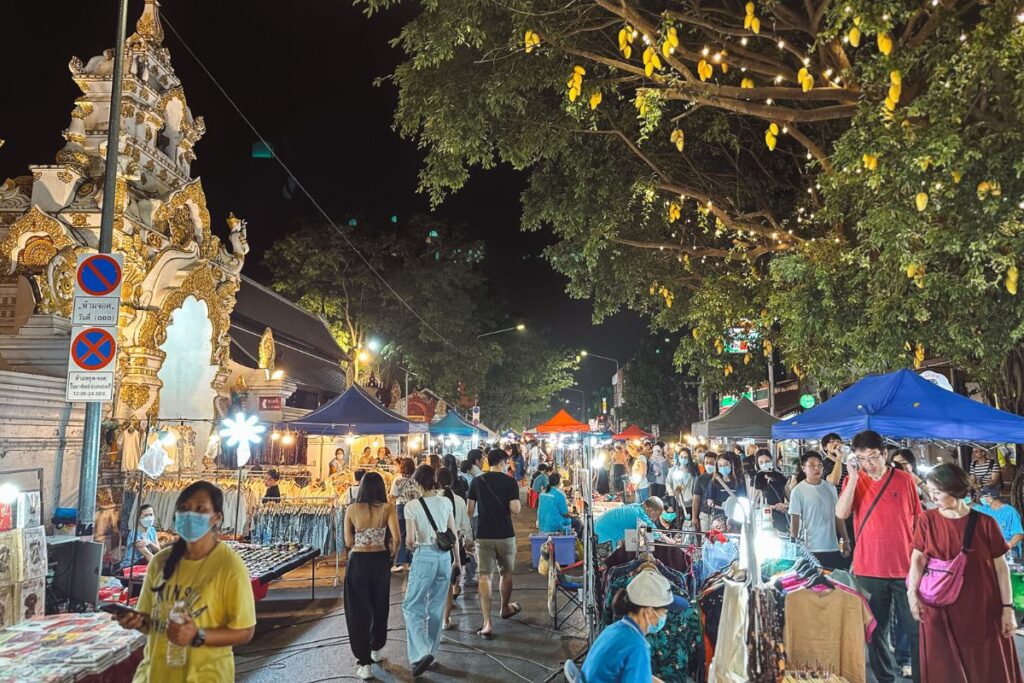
(582, 488)
(293, 505)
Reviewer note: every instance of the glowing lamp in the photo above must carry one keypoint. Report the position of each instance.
(520, 327)
(8, 493)
(373, 345)
(350, 439)
(414, 442)
(242, 431)
(597, 462)
(277, 374)
(275, 435)
(363, 356)
(376, 443)
(288, 439)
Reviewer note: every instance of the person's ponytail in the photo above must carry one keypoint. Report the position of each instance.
(177, 552)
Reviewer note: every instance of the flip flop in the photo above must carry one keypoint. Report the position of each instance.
(516, 609)
(485, 636)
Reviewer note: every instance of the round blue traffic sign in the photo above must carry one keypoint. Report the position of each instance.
(99, 275)
(93, 349)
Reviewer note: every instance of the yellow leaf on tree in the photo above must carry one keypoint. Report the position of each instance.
(595, 99)
(870, 161)
(755, 25)
(673, 37)
(895, 78)
(747, 83)
(678, 139)
(579, 70)
(854, 36)
(747, 21)
(695, 333)
(746, 359)
(921, 201)
(724, 67)
(957, 175)
(1011, 279)
(774, 128)
(674, 212)
(770, 140)
(884, 43)
(890, 104)
(750, 8)
(895, 90)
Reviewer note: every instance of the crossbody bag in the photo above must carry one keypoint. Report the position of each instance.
(445, 540)
(864, 520)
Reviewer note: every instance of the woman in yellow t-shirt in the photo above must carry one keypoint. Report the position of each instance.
(210, 582)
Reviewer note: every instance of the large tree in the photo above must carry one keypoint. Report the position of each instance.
(655, 393)
(428, 309)
(843, 179)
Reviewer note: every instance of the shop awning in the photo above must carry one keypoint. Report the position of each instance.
(455, 424)
(903, 405)
(562, 423)
(355, 412)
(632, 432)
(743, 421)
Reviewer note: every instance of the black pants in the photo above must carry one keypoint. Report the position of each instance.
(832, 560)
(367, 602)
(887, 595)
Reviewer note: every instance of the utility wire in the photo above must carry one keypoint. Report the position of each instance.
(302, 187)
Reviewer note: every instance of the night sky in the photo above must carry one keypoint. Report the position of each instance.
(303, 74)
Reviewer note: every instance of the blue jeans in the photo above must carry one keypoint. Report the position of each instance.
(403, 556)
(425, 596)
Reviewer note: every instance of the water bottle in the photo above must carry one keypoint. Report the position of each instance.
(176, 654)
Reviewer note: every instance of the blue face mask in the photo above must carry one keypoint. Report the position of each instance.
(192, 525)
(710, 469)
(668, 516)
(654, 628)
(146, 521)
(725, 471)
(967, 500)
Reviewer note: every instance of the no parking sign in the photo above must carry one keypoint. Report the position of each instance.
(94, 321)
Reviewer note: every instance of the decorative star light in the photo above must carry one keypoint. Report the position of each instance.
(242, 431)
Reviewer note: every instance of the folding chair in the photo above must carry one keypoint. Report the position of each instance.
(562, 582)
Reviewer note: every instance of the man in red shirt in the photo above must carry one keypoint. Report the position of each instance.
(885, 506)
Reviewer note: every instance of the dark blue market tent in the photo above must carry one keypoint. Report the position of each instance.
(355, 412)
(454, 424)
(901, 404)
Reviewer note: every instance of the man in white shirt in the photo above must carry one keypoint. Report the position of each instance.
(812, 512)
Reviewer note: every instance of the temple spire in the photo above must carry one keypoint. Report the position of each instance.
(148, 25)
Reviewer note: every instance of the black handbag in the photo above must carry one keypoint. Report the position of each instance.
(445, 540)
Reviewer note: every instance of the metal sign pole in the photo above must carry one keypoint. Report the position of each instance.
(89, 472)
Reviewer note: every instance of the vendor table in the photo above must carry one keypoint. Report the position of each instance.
(88, 647)
(269, 562)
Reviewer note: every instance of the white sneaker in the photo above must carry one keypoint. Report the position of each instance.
(908, 671)
(377, 656)
(365, 672)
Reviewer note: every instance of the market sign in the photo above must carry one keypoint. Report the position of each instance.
(807, 401)
(94, 318)
(739, 339)
(270, 403)
(728, 401)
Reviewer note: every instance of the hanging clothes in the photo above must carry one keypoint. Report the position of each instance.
(130, 443)
(827, 629)
(729, 664)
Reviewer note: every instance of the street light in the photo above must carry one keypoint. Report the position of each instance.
(583, 400)
(517, 328)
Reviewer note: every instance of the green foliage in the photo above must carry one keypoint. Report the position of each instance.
(656, 393)
(441, 279)
(809, 243)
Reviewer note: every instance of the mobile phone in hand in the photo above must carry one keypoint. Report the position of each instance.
(117, 609)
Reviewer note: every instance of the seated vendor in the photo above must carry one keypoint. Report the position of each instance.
(553, 512)
(142, 542)
(621, 654)
(337, 462)
(611, 526)
(540, 478)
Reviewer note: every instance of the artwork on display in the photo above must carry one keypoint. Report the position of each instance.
(33, 553)
(30, 599)
(8, 616)
(6, 517)
(8, 555)
(28, 509)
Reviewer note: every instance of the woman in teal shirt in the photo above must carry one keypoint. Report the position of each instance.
(553, 511)
(621, 654)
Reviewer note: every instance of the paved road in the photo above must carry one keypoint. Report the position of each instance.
(313, 648)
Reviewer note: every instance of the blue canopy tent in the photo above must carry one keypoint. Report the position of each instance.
(902, 404)
(355, 412)
(456, 425)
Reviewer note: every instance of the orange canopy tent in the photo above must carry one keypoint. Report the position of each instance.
(562, 423)
(632, 432)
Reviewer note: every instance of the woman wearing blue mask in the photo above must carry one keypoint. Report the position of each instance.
(727, 481)
(621, 654)
(207, 586)
(142, 544)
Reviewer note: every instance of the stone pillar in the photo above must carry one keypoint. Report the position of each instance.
(139, 393)
(267, 396)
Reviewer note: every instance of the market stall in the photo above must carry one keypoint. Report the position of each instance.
(87, 648)
(901, 405)
(455, 433)
(631, 433)
(744, 420)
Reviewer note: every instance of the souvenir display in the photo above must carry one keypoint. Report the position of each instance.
(28, 511)
(32, 552)
(30, 599)
(64, 647)
(6, 517)
(8, 557)
(266, 563)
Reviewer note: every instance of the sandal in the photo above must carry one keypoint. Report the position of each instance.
(516, 609)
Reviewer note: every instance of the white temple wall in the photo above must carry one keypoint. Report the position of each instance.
(38, 428)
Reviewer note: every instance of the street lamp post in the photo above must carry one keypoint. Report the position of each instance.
(583, 354)
(517, 328)
(583, 401)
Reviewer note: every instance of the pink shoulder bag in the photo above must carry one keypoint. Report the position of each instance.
(940, 586)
